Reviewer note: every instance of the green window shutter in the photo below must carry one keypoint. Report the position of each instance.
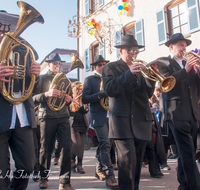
(139, 33)
(193, 16)
(161, 24)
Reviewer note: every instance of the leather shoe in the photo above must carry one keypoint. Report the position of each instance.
(165, 167)
(100, 175)
(115, 167)
(158, 175)
(112, 183)
(43, 184)
(65, 187)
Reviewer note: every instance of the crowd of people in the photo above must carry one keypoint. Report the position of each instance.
(141, 122)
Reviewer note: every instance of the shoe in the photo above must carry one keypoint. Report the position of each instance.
(80, 169)
(115, 167)
(158, 175)
(112, 183)
(65, 187)
(165, 167)
(43, 184)
(73, 166)
(100, 175)
(35, 176)
(55, 162)
(173, 156)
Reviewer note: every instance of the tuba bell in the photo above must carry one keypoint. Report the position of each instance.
(167, 83)
(63, 84)
(11, 40)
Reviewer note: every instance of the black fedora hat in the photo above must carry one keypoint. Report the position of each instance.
(53, 57)
(175, 38)
(98, 59)
(128, 41)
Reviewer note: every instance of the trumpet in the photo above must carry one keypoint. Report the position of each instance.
(166, 83)
(189, 54)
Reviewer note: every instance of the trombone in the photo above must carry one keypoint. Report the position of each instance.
(166, 83)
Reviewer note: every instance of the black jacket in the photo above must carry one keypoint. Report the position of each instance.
(44, 110)
(129, 111)
(181, 103)
(90, 95)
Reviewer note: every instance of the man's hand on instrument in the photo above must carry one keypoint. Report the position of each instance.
(35, 69)
(52, 92)
(136, 68)
(190, 63)
(5, 71)
(154, 67)
(68, 98)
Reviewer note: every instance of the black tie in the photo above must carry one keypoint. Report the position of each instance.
(183, 63)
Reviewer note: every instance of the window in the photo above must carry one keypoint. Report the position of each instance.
(92, 5)
(118, 37)
(180, 16)
(97, 49)
(136, 29)
(87, 59)
(178, 22)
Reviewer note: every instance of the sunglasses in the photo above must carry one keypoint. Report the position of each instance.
(56, 63)
(101, 64)
(129, 51)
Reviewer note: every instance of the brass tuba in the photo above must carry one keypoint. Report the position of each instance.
(167, 83)
(28, 15)
(104, 100)
(62, 83)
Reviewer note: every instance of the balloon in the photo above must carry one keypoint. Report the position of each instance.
(120, 12)
(123, 0)
(91, 32)
(124, 4)
(93, 20)
(99, 23)
(124, 12)
(126, 8)
(89, 23)
(120, 7)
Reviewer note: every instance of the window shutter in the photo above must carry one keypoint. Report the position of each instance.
(100, 3)
(139, 33)
(87, 7)
(161, 24)
(87, 59)
(193, 15)
(118, 37)
(101, 50)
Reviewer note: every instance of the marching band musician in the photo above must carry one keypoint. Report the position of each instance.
(16, 124)
(79, 127)
(180, 109)
(130, 118)
(91, 95)
(53, 123)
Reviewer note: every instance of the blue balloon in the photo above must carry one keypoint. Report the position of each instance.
(120, 7)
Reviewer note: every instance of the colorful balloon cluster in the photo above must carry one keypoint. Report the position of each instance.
(123, 8)
(93, 26)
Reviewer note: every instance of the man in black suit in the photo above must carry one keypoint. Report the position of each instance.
(180, 106)
(16, 123)
(53, 124)
(91, 95)
(130, 118)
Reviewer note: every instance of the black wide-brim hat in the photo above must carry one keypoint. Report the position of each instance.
(99, 59)
(53, 57)
(177, 37)
(128, 41)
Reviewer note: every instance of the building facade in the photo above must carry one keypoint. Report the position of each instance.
(152, 22)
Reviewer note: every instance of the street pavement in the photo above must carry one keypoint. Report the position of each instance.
(87, 181)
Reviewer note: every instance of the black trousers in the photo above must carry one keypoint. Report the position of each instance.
(184, 133)
(20, 141)
(49, 129)
(130, 154)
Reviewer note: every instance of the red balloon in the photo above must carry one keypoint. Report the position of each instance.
(93, 20)
(124, 1)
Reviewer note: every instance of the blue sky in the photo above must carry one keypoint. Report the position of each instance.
(52, 34)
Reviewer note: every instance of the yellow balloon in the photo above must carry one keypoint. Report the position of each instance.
(91, 32)
(120, 12)
(89, 23)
